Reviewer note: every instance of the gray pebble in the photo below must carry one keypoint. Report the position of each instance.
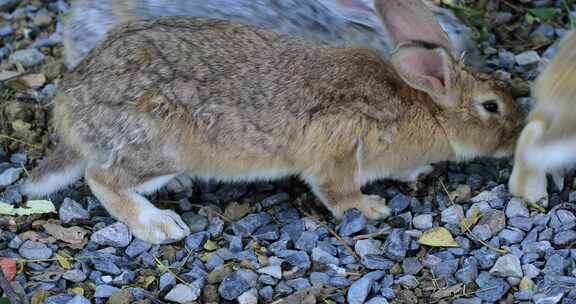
(182, 293)
(485, 257)
(408, 281)
(412, 266)
(167, 280)
(15, 243)
(352, 222)
(377, 300)
(273, 271)
(527, 58)
(396, 245)
(275, 199)
(35, 250)
(323, 257)
(250, 223)
(512, 235)
(359, 291)
(72, 212)
(566, 237)
(236, 283)
(307, 241)
(453, 215)
(57, 299)
(137, 247)
(299, 283)
(115, 235)
(493, 288)
(551, 297)
(445, 269)
(520, 222)
(74, 275)
(399, 203)
(319, 278)
(196, 222)
(105, 291)
(368, 246)
(469, 271)
(517, 207)
(195, 241)
(530, 271)
(27, 57)
(423, 221)
(78, 299)
(474, 300)
(267, 293)
(376, 262)
(556, 265)
(7, 5)
(507, 266)
(9, 176)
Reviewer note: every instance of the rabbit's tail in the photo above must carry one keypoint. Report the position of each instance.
(62, 168)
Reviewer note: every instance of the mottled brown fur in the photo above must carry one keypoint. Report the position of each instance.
(209, 98)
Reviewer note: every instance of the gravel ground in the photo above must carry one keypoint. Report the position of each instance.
(259, 243)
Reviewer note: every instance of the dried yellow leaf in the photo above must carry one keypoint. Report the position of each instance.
(437, 237)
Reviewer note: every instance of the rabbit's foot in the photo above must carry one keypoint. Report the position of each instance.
(531, 186)
(374, 207)
(159, 226)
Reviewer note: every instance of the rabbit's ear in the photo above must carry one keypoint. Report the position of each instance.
(426, 68)
(412, 20)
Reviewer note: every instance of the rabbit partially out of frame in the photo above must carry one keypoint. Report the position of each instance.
(548, 142)
(211, 98)
(334, 21)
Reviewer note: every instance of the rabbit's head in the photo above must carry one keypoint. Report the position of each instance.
(477, 113)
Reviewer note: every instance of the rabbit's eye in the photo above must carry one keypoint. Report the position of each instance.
(491, 106)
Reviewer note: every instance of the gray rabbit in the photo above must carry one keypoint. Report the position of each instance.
(336, 21)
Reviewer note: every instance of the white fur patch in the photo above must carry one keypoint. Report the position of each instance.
(53, 182)
(552, 156)
(464, 152)
(154, 184)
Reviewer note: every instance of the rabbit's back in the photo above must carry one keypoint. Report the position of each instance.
(235, 85)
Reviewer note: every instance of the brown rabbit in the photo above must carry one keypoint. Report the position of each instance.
(217, 99)
(548, 142)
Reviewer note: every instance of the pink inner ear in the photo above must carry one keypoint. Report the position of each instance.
(426, 67)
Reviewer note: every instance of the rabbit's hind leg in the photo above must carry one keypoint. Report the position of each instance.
(120, 195)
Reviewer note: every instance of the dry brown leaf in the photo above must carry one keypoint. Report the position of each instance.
(448, 292)
(72, 235)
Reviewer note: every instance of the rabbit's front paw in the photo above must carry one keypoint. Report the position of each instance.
(530, 186)
(374, 207)
(159, 226)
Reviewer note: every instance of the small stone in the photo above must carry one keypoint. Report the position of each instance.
(273, 271)
(490, 224)
(453, 215)
(399, 203)
(551, 297)
(536, 247)
(167, 280)
(396, 245)
(556, 265)
(9, 176)
(74, 275)
(57, 299)
(507, 266)
(72, 212)
(115, 235)
(408, 281)
(196, 222)
(359, 291)
(376, 262)
(78, 299)
(485, 257)
(236, 283)
(520, 222)
(298, 284)
(412, 266)
(512, 235)
(469, 271)
(530, 271)
(218, 274)
(527, 58)
(275, 200)
(137, 247)
(105, 291)
(517, 207)
(565, 237)
(352, 222)
(377, 300)
(249, 297)
(195, 241)
(307, 241)
(267, 293)
(368, 246)
(182, 293)
(35, 251)
(445, 269)
(250, 223)
(235, 211)
(15, 243)
(27, 57)
(467, 301)
(492, 288)
(323, 257)
(422, 221)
